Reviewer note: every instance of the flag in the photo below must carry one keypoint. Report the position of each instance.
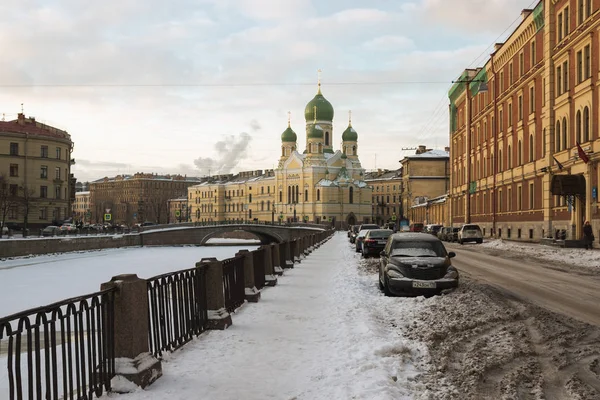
(560, 166)
(584, 157)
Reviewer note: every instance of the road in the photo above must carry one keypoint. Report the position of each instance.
(567, 292)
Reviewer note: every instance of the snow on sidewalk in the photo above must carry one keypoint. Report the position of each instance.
(321, 333)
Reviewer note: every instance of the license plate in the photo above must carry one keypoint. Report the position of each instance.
(423, 284)
(382, 242)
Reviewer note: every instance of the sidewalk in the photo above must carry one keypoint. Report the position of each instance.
(321, 333)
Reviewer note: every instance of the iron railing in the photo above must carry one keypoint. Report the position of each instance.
(233, 283)
(177, 309)
(258, 260)
(63, 350)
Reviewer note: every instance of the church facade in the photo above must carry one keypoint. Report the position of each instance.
(317, 185)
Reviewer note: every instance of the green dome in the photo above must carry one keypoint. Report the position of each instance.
(324, 109)
(315, 132)
(349, 135)
(344, 156)
(289, 135)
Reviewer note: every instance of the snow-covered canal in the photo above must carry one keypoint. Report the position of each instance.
(37, 281)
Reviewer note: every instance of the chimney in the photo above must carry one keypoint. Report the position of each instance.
(21, 118)
(421, 149)
(497, 46)
(525, 13)
(447, 149)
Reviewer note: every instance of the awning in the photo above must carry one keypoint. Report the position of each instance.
(568, 185)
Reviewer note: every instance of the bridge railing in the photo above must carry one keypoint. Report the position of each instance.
(63, 350)
(177, 309)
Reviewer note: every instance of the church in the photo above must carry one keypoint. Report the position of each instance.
(317, 185)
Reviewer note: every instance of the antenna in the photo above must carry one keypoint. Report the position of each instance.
(22, 109)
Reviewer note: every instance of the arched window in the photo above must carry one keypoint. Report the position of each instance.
(262, 206)
(297, 192)
(326, 138)
(305, 194)
(318, 194)
(557, 137)
(289, 198)
(353, 150)
(578, 126)
(564, 133)
(280, 196)
(586, 124)
(268, 205)
(530, 148)
(351, 195)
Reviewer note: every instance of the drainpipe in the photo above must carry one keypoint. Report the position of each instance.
(495, 163)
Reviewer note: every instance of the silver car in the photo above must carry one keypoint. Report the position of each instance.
(470, 233)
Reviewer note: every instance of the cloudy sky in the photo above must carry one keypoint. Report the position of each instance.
(204, 86)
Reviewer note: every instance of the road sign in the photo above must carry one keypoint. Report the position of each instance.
(306, 217)
(134, 215)
(107, 217)
(393, 217)
(177, 213)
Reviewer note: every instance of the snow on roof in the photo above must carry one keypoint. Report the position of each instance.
(318, 127)
(430, 154)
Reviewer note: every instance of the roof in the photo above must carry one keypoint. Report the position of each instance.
(430, 154)
(31, 126)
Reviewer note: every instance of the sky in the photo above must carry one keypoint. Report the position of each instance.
(306, 339)
(203, 87)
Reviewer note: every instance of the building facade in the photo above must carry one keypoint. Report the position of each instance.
(524, 128)
(35, 170)
(319, 185)
(81, 208)
(386, 199)
(138, 198)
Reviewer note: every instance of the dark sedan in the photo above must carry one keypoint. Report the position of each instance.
(416, 263)
(375, 241)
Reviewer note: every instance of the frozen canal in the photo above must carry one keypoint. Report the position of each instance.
(37, 281)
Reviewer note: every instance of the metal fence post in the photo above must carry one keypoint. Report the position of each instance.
(133, 360)
(218, 316)
(251, 292)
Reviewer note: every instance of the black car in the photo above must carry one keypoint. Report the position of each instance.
(416, 263)
(375, 241)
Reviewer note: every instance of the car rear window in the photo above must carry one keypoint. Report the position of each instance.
(367, 226)
(382, 234)
(417, 248)
(471, 228)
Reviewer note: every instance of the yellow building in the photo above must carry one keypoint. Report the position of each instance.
(319, 185)
(386, 199)
(35, 166)
(81, 207)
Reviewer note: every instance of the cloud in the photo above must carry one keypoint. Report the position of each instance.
(389, 43)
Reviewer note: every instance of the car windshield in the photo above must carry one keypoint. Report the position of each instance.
(379, 234)
(363, 232)
(418, 248)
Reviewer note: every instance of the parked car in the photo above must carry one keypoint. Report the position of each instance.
(443, 233)
(453, 237)
(68, 228)
(51, 230)
(360, 236)
(470, 233)
(375, 241)
(355, 230)
(415, 264)
(360, 228)
(432, 229)
(4, 229)
(416, 227)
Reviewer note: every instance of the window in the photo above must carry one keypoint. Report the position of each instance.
(326, 138)
(57, 192)
(306, 195)
(588, 8)
(262, 190)
(532, 100)
(587, 68)
(43, 192)
(509, 199)
(578, 126)
(559, 80)
(531, 205)
(57, 173)
(580, 11)
(501, 127)
(509, 157)
(13, 190)
(521, 64)
(586, 124)
(580, 66)
(318, 194)
(501, 81)
(14, 149)
(351, 195)
(532, 54)
(566, 23)
(565, 76)
(557, 136)
(280, 196)
(520, 198)
(559, 31)
(511, 76)
(58, 153)
(510, 116)
(520, 153)
(43, 213)
(521, 108)
(14, 169)
(530, 148)
(44, 152)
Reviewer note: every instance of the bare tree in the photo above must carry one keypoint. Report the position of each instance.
(26, 199)
(9, 199)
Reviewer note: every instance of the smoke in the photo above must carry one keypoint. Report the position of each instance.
(230, 152)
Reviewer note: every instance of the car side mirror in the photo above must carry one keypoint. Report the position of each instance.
(451, 254)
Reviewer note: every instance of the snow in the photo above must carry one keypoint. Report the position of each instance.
(570, 256)
(325, 331)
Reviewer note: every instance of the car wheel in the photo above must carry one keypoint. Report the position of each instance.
(460, 241)
(386, 288)
(356, 249)
(479, 241)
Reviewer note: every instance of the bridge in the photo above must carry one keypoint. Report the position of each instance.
(190, 233)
